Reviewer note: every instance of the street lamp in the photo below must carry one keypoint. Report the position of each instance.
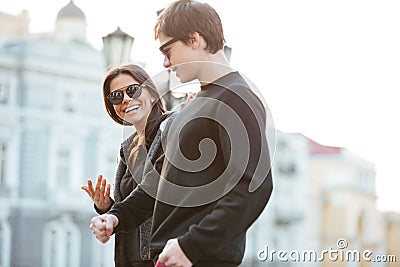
(228, 52)
(117, 48)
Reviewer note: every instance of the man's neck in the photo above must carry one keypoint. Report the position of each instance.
(215, 66)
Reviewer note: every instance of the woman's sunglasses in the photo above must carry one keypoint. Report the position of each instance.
(133, 91)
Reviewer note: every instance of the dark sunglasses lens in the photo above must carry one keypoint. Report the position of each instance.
(134, 91)
(116, 97)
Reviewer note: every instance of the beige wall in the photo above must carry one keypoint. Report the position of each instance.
(392, 230)
(355, 219)
(12, 26)
(346, 186)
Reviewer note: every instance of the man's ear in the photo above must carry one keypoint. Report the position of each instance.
(195, 39)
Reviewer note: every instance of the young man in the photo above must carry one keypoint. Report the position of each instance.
(215, 179)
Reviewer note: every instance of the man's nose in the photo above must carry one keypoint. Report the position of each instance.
(167, 63)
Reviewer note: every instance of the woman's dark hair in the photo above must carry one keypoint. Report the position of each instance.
(156, 115)
(184, 17)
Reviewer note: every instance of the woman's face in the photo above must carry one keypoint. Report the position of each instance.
(137, 110)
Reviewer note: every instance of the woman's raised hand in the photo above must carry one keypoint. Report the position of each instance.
(100, 194)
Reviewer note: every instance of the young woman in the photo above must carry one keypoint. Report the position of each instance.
(130, 98)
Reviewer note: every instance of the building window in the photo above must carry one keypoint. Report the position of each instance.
(69, 250)
(4, 93)
(287, 168)
(63, 166)
(53, 249)
(61, 244)
(52, 245)
(68, 102)
(3, 151)
(5, 237)
(1, 245)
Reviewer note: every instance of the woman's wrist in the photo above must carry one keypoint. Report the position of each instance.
(104, 207)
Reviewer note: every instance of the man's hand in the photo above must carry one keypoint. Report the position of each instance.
(103, 226)
(173, 256)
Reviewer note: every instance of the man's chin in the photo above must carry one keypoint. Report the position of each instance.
(182, 79)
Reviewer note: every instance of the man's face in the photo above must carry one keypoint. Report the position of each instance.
(179, 57)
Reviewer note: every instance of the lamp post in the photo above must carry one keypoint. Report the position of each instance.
(117, 48)
(228, 52)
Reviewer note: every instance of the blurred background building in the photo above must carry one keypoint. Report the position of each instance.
(55, 134)
(324, 197)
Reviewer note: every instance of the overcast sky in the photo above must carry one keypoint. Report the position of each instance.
(328, 69)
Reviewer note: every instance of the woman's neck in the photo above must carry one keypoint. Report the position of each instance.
(140, 127)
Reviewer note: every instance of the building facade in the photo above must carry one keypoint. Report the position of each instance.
(323, 200)
(54, 135)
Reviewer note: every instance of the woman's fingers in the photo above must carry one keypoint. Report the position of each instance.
(99, 194)
(98, 183)
(86, 189)
(102, 190)
(108, 191)
(97, 191)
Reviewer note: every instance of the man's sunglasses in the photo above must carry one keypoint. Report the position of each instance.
(133, 91)
(170, 42)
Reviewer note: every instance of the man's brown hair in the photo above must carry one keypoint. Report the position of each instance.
(181, 18)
